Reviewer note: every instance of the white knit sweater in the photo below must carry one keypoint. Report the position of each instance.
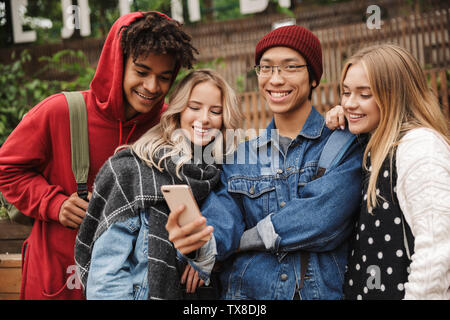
(423, 191)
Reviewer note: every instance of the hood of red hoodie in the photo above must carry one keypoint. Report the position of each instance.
(107, 84)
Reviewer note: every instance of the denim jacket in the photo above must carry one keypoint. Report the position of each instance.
(120, 272)
(279, 201)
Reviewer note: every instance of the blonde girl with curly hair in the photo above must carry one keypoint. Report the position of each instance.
(122, 250)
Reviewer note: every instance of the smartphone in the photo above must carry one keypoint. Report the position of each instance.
(178, 194)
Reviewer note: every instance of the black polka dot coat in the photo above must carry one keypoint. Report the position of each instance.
(382, 242)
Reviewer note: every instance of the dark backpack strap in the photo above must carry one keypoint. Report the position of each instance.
(333, 151)
(304, 261)
(79, 140)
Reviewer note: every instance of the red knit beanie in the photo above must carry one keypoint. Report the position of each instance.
(298, 38)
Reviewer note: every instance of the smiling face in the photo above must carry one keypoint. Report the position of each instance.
(360, 107)
(146, 82)
(284, 95)
(202, 118)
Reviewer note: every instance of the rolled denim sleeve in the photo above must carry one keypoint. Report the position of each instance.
(322, 219)
(251, 240)
(110, 273)
(204, 260)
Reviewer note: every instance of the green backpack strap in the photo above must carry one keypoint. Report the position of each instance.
(80, 155)
(79, 140)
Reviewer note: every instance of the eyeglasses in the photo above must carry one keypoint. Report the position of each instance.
(289, 70)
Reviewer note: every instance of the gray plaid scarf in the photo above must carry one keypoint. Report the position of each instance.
(123, 187)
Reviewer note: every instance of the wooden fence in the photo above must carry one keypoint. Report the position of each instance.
(325, 96)
(425, 35)
(339, 28)
(10, 276)
(12, 236)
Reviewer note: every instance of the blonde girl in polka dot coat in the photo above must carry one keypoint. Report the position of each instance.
(401, 245)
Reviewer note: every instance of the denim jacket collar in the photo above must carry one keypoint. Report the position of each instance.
(312, 129)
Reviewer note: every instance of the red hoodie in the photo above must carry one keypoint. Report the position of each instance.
(36, 169)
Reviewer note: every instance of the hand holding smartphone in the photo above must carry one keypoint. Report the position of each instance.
(181, 194)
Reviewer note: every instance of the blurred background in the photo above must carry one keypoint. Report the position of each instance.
(49, 46)
(52, 45)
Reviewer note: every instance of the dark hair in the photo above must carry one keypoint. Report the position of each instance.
(157, 34)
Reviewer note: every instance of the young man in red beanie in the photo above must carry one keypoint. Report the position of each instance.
(139, 61)
(280, 227)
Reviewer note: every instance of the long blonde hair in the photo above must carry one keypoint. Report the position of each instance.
(400, 89)
(165, 138)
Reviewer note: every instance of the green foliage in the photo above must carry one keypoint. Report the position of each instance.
(282, 10)
(103, 13)
(78, 69)
(19, 91)
(240, 83)
(13, 94)
(226, 10)
(3, 209)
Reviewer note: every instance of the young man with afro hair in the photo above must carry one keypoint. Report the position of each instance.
(138, 63)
